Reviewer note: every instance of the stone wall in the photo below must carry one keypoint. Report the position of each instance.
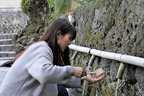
(12, 20)
(118, 27)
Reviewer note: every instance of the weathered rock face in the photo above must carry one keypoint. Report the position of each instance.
(12, 20)
(29, 35)
(118, 27)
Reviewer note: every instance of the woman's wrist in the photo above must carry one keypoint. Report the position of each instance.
(74, 70)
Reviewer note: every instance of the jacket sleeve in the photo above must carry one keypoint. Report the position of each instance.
(43, 70)
(73, 83)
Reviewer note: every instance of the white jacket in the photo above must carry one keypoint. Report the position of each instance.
(33, 74)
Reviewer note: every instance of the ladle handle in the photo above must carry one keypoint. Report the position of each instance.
(91, 72)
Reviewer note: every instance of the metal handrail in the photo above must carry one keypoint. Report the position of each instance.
(138, 61)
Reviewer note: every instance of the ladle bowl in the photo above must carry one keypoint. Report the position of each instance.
(99, 72)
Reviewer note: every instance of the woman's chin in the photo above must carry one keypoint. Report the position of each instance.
(62, 50)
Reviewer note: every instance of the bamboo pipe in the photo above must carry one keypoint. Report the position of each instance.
(74, 57)
(138, 61)
(88, 69)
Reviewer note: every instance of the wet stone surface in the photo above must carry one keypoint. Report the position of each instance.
(73, 92)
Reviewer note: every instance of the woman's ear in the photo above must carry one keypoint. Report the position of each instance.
(58, 34)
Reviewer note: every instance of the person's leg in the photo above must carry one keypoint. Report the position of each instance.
(62, 91)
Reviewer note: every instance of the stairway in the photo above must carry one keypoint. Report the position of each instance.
(7, 48)
(7, 53)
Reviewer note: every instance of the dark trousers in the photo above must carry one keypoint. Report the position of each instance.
(62, 91)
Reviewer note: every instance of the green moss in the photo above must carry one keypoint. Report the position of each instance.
(108, 44)
(32, 36)
(142, 26)
(88, 34)
(117, 18)
(100, 2)
(93, 91)
(36, 10)
(86, 88)
(98, 37)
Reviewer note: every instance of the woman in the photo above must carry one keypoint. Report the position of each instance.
(45, 64)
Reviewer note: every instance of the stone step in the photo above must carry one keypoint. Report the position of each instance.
(7, 55)
(7, 52)
(7, 58)
(8, 36)
(5, 40)
(7, 47)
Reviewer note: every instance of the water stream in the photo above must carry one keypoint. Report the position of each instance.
(117, 86)
(74, 92)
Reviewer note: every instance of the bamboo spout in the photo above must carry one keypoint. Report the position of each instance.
(120, 71)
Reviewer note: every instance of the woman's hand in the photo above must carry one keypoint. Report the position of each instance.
(91, 78)
(78, 72)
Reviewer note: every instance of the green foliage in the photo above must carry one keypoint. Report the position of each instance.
(51, 3)
(83, 2)
(60, 6)
(36, 10)
(39, 10)
(50, 19)
(24, 5)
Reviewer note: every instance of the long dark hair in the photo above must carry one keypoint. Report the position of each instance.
(50, 36)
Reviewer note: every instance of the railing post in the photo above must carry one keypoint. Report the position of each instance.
(133, 60)
(88, 69)
(74, 57)
(119, 76)
(120, 71)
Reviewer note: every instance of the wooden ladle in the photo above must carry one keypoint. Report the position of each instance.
(99, 72)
